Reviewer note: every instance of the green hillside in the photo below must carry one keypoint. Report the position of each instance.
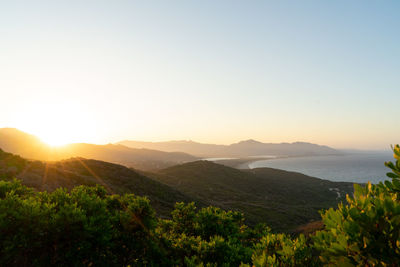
(284, 200)
(115, 178)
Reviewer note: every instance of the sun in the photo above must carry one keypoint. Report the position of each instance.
(56, 139)
(60, 124)
(60, 133)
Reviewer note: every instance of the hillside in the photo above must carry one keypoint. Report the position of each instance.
(21, 143)
(282, 199)
(29, 146)
(240, 149)
(69, 173)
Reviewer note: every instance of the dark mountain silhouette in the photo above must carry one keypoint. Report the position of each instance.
(240, 149)
(29, 146)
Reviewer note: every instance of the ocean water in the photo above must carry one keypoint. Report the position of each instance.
(358, 167)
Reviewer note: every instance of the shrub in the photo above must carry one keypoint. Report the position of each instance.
(283, 250)
(209, 236)
(366, 231)
(83, 227)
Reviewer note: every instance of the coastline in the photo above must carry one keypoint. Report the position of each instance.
(244, 163)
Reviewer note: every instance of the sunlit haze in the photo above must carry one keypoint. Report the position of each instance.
(325, 72)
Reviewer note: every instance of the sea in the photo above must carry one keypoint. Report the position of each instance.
(350, 167)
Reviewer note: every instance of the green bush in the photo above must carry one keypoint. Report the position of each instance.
(88, 227)
(283, 250)
(84, 227)
(209, 236)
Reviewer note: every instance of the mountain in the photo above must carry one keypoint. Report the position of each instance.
(255, 148)
(18, 142)
(29, 146)
(240, 149)
(198, 149)
(284, 200)
(69, 173)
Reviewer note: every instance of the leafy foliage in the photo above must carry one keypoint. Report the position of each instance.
(88, 227)
(282, 250)
(83, 227)
(210, 236)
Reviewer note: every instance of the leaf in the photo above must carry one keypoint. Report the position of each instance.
(392, 175)
(396, 152)
(396, 183)
(354, 213)
(390, 165)
(389, 184)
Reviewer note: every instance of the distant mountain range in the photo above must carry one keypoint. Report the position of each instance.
(240, 149)
(151, 155)
(29, 146)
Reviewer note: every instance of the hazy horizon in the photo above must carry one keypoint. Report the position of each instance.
(213, 72)
(118, 142)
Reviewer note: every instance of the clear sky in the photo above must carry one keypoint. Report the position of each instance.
(326, 72)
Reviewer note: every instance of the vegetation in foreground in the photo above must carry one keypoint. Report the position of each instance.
(89, 227)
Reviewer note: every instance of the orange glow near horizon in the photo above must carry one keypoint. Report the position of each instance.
(58, 124)
(55, 141)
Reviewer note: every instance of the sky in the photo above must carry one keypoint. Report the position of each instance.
(325, 72)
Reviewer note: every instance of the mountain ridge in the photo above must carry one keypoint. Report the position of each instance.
(29, 146)
(242, 148)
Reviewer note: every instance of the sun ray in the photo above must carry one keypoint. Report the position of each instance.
(46, 170)
(134, 217)
(25, 169)
(98, 178)
(63, 168)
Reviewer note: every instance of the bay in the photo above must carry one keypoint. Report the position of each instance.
(357, 167)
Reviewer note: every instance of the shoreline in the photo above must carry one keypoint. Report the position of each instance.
(244, 163)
